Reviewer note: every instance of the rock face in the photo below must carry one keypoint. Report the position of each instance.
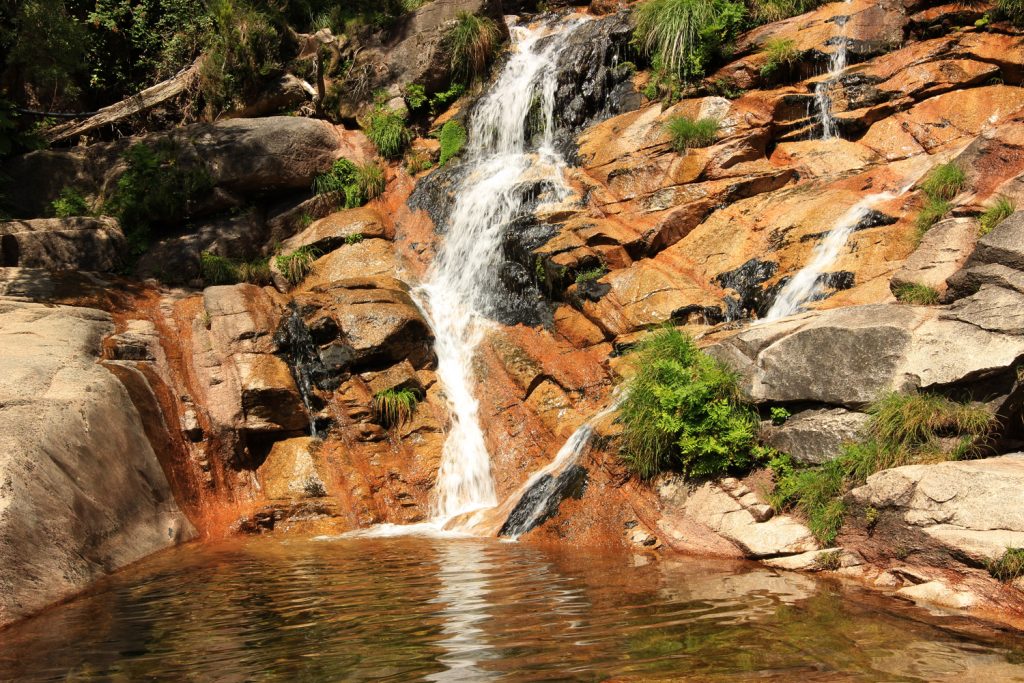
(814, 436)
(943, 251)
(79, 243)
(974, 509)
(83, 493)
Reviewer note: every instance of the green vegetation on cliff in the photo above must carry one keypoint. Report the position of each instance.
(470, 45)
(388, 132)
(453, 138)
(913, 293)
(944, 182)
(995, 214)
(904, 429)
(684, 412)
(393, 407)
(687, 132)
(296, 265)
(355, 183)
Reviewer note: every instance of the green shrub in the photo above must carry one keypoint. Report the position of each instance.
(1012, 11)
(913, 293)
(590, 275)
(296, 265)
(685, 36)
(354, 238)
(217, 270)
(932, 212)
(387, 130)
(945, 181)
(155, 190)
(470, 44)
(356, 183)
(687, 133)
(241, 53)
(442, 99)
(779, 415)
(995, 214)
(782, 55)
(902, 429)
(830, 560)
(1009, 566)
(393, 407)
(453, 138)
(69, 203)
(683, 411)
(415, 96)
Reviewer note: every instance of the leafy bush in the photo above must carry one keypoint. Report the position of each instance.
(296, 265)
(945, 181)
(685, 36)
(470, 44)
(903, 429)
(387, 130)
(69, 203)
(453, 138)
(687, 133)
(217, 270)
(590, 275)
(782, 55)
(913, 293)
(415, 96)
(1012, 11)
(393, 407)
(779, 415)
(356, 183)
(1009, 566)
(439, 100)
(241, 53)
(155, 190)
(683, 411)
(995, 214)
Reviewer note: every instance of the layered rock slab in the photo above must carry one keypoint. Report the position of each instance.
(82, 492)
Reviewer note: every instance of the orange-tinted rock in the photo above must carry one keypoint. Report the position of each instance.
(334, 230)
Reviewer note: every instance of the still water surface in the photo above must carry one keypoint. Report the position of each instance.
(409, 609)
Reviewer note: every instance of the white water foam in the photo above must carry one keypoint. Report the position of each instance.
(822, 98)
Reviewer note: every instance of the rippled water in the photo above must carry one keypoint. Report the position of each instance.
(478, 610)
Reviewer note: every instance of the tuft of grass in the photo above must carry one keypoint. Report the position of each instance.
(356, 183)
(782, 56)
(684, 411)
(70, 202)
(354, 238)
(1009, 566)
(934, 210)
(687, 133)
(256, 272)
(829, 560)
(683, 37)
(417, 161)
(470, 43)
(296, 265)
(768, 11)
(903, 429)
(995, 214)
(453, 139)
(217, 270)
(388, 132)
(590, 275)
(1012, 11)
(393, 407)
(945, 181)
(913, 293)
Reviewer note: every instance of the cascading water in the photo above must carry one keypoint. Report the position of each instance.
(806, 284)
(459, 289)
(822, 98)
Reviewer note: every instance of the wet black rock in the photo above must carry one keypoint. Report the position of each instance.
(542, 500)
(746, 281)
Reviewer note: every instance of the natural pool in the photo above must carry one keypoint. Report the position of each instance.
(403, 609)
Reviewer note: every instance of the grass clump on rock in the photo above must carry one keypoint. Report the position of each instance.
(296, 265)
(355, 183)
(219, 270)
(470, 44)
(903, 429)
(687, 132)
(393, 407)
(913, 293)
(684, 412)
(945, 181)
(782, 56)
(1009, 566)
(388, 132)
(995, 214)
(683, 37)
(1011, 10)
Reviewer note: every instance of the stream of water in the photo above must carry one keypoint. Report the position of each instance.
(489, 197)
(419, 609)
(822, 96)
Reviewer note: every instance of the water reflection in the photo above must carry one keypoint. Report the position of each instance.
(478, 610)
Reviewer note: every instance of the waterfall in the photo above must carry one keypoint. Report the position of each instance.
(822, 99)
(460, 286)
(806, 284)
